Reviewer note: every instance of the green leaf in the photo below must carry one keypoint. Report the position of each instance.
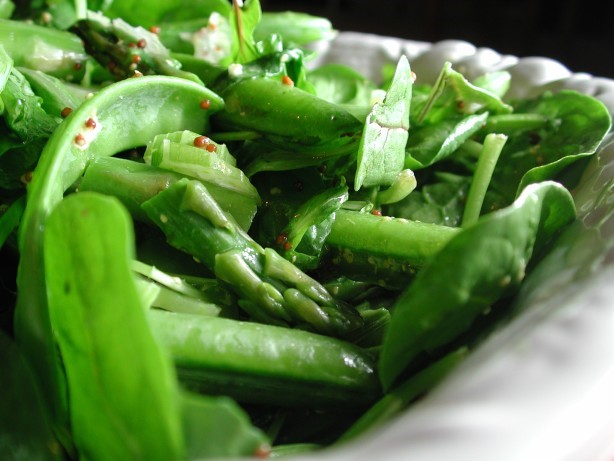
(10, 218)
(218, 427)
(577, 124)
(341, 84)
(25, 431)
(157, 11)
(23, 112)
(381, 152)
(441, 202)
(478, 266)
(431, 143)
(243, 22)
(121, 387)
(295, 28)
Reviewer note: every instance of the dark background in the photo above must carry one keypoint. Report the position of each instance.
(579, 34)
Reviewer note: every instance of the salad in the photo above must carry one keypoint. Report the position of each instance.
(221, 249)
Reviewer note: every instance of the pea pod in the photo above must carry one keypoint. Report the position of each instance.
(388, 251)
(54, 93)
(285, 113)
(265, 363)
(52, 51)
(272, 289)
(124, 115)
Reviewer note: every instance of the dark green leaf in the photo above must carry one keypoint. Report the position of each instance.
(479, 265)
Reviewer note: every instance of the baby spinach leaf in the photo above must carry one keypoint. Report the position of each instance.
(341, 84)
(478, 266)
(244, 19)
(441, 202)
(23, 112)
(577, 125)
(216, 427)
(121, 387)
(157, 11)
(452, 93)
(294, 27)
(430, 143)
(25, 431)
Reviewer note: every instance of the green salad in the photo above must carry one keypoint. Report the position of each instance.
(214, 248)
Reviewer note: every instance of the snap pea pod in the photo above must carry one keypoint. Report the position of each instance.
(52, 51)
(272, 289)
(387, 251)
(133, 183)
(138, 109)
(265, 363)
(127, 51)
(55, 95)
(285, 114)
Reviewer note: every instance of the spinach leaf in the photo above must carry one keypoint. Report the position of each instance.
(121, 387)
(218, 427)
(481, 264)
(23, 112)
(243, 21)
(439, 202)
(341, 84)
(25, 431)
(577, 124)
(430, 143)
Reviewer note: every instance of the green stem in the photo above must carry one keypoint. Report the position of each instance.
(493, 145)
(508, 122)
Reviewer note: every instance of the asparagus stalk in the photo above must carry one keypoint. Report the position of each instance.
(271, 288)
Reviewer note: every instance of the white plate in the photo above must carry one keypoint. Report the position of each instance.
(542, 387)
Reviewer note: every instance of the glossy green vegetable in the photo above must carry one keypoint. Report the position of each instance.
(146, 109)
(123, 399)
(477, 267)
(271, 288)
(229, 357)
(241, 253)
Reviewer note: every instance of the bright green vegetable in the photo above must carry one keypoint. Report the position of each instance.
(279, 260)
(146, 110)
(224, 356)
(478, 266)
(271, 288)
(382, 146)
(122, 390)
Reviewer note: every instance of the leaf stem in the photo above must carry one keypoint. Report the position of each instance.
(493, 145)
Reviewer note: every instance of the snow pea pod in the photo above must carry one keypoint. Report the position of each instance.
(54, 93)
(388, 251)
(119, 117)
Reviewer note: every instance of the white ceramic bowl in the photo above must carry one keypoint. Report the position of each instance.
(542, 387)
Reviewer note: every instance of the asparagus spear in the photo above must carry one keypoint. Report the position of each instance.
(271, 289)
